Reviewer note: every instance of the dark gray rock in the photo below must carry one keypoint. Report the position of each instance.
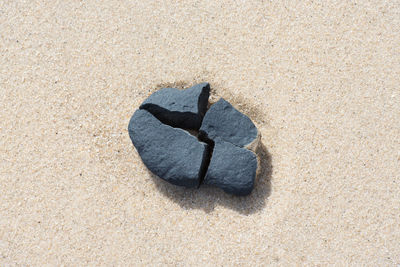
(232, 168)
(178, 157)
(179, 108)
(170, 153)
(224, 121)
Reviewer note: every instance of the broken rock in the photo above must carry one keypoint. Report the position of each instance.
(224, 157)
(170, 153)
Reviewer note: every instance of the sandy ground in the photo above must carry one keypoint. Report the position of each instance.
(321, 81)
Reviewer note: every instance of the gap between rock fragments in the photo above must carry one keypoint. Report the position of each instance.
(202, 137)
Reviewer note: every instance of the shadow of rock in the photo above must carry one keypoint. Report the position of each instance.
(207, 198)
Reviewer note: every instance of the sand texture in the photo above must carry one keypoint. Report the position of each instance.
(320, 79)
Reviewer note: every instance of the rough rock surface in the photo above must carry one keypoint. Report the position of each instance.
(179, 108)
(232, 168)
(224, 121)
(170, 153)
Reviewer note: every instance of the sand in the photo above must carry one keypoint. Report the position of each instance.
(321, 80)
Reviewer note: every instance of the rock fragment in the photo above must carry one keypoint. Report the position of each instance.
(232, 168)
(179, 108)
(224, 121)
(170, 153)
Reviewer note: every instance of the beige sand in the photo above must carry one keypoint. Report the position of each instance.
(321, 81)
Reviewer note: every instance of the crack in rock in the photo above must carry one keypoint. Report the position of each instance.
(206, 163)
(221, 155)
